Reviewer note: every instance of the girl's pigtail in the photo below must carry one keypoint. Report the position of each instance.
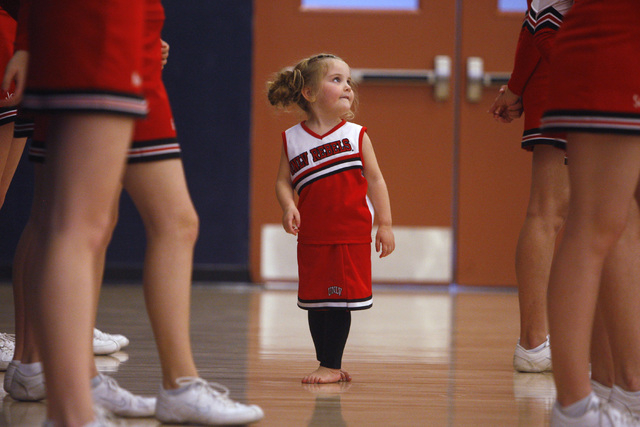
(286, 88)
(296, 83)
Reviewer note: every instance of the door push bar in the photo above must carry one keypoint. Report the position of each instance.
(439, 77)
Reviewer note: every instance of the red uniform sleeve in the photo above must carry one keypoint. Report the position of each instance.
(526, 60)
(544, 41)
(548, 21)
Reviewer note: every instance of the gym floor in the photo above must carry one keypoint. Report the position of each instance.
(422, 356)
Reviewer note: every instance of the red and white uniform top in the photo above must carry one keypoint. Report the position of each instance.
(542, 21)
(549, 15)
(327, 173)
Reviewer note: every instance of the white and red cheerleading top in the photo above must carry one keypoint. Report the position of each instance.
(327, 173)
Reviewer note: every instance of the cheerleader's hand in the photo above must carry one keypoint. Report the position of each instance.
(165, 52)
(507, 106)
(16, 72)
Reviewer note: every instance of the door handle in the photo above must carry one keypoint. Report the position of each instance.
(477, 79)
(439, 77)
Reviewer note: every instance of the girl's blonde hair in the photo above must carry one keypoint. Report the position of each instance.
(286, 87)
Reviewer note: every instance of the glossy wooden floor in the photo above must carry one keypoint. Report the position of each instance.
(422, 356)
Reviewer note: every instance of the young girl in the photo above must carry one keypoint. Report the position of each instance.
(331, 165)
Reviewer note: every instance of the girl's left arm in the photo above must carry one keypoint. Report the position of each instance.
(379, 195)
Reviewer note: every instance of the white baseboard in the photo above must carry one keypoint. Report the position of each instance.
(423, 254)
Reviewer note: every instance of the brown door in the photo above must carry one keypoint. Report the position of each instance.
(457, 180)
(493, 171)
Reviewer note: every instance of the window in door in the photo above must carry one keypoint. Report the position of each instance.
(362, 4)
(512, 5)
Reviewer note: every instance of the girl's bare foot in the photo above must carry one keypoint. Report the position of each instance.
(324, 375)
(330, 389)
(344, 376)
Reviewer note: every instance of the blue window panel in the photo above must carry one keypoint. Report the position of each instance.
(512, 5)
(362, 4)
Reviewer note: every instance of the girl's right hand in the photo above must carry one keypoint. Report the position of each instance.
(385, 241)
(291, 221)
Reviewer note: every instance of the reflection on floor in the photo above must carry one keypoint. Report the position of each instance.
(422, 356)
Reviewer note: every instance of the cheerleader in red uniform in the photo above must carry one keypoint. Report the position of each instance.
(84, 77)
(548, 199)
(593, 97)
(155, 180)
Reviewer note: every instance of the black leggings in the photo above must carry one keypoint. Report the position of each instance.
(329, 330)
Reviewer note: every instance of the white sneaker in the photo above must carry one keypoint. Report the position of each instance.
(599, 413)
(624, 401)
(197, 401)
(8, 375)
(120, 339)
(7, 346)
(532, 361)
(104, 343)
(601, 390)
(108, 394)
(25, 387)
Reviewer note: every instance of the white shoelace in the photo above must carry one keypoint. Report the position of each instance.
(218, 390)
(111, 382)
(113, 385)
(100, 335)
